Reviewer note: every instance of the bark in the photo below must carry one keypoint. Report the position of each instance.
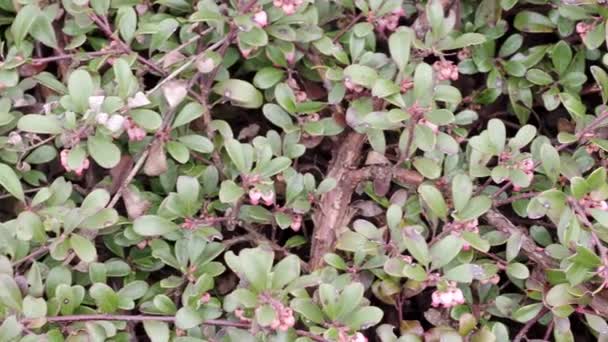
(334, 210)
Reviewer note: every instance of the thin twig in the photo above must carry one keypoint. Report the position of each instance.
(28, 191)
(143, 318)
(522, 333)
(347, 27)
(515, 198)
(77, 55)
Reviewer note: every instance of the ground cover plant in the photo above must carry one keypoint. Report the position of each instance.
(303, 170)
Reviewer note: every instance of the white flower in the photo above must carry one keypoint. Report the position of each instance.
(101, 118)
(95, 103)
(115, 123)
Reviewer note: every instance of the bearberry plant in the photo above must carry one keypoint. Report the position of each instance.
(303, 170)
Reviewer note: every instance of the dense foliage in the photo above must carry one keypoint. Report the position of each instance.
(303, 170)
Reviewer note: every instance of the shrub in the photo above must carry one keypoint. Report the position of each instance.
(294, 170)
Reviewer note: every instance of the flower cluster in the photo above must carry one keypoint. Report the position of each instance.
(80, 169)
(134, 132)
(267, 197)
(447, 298)
(583, 28)
(261, 18)
(446, 70)
(289, 7)
(388, 22)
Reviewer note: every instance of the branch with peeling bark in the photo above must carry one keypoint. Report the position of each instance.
(334, 207)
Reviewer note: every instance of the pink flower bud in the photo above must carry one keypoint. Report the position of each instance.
(254, 196)
(289, 8)
(296, 222)
(466, 247)
(261, 18)
(205, 298)
(436, 299)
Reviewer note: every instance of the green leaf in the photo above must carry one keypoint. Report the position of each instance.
(34, 307)
(10, 182)
(433, 199)
(416, 245)
(189, 113)
(526, 313)
(601, 78)
(84, 248)
(42, 30)
(573, 105)
(265, 315)
(462, 189)
(286, 271)
(528, 21)
(308, 309)
(561, 55)
(197, 143)
(126, 20)
(23, 22)
(178, 151)
(523, 137)
(361, 75)
(550, 161)
(476, 207)
(151, 225)
(147, 119)
(236, 153)
(268, 77)
(445, 250)
(240, 93)
(41, 124)
(464, 40)
(157, 331)
(230, 192)
(538, 77)
(103, 151)
(188, 318)
(278, 116)
(427, 167)
(497, 134)
(80, 86)
(518, 270)
(399, 45)
(106, 299)
(461, 273)
(255, 264)
(423, 80)
(365, 316)
(10, 295)
(600, 216)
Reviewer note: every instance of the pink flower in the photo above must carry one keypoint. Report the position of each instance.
(301, 96)
(406, 85)
(261, 18)
(205, 298)
(446, 70)
(268, 198)
(296, 222)
(452, 296)
(527, 165)
(352, 86)
(254, 196)
(582, 28)
(134, 132)
(64, 162)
